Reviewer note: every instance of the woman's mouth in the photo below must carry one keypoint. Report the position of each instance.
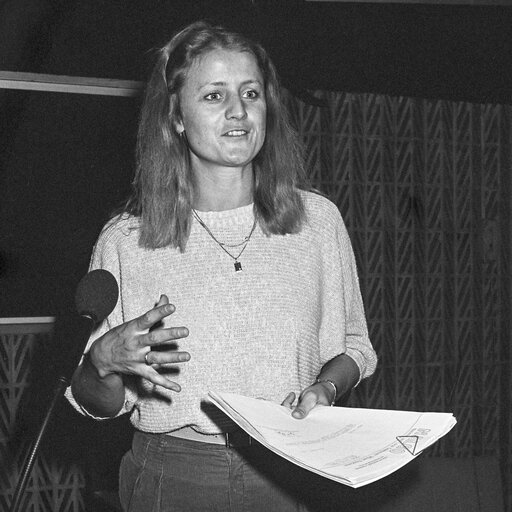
(235, 133)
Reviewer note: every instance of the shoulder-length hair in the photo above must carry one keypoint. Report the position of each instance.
(163, 185)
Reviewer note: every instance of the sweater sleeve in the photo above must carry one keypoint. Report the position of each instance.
(357, 341)
(105, 256)
(343, 327)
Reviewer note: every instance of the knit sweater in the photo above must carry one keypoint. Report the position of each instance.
(262, 332)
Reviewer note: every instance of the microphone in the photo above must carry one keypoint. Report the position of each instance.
(95, 298)
(96, 295)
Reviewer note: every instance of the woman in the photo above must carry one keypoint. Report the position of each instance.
(261, 272)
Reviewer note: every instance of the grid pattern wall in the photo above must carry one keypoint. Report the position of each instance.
(53, 485)
(423, 187)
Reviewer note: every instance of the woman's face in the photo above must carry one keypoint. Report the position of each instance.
(223, 110)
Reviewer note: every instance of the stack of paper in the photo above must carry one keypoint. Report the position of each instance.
(349, 445)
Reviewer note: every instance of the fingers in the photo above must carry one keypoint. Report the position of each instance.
(159, 380)
(153, 316)
(307, 400)
(288, 401)
(159, 336)
(165, 357)
(163, 300)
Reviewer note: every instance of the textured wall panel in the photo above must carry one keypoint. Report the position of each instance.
(54, 485)
(422, 186)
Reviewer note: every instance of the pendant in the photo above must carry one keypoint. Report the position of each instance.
(238, 266)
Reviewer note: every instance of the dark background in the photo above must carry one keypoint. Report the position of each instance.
(66, 160)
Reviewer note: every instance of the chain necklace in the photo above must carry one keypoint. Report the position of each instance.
(222, 245)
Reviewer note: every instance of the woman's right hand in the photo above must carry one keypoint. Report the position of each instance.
(127, 348)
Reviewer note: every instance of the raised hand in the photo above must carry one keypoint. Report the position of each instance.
(127, 348)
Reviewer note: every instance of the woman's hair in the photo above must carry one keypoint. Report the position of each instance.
(163, 185)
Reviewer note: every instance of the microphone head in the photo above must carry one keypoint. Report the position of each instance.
(96, 294)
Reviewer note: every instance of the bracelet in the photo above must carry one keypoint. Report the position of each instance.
(329, 381)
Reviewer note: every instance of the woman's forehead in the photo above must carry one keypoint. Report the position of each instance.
(219, 64)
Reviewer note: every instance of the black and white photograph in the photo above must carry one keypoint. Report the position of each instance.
(255, 256)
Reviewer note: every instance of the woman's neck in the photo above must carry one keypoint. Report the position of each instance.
(223, 189)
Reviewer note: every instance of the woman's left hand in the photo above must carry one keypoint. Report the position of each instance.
(316, 394)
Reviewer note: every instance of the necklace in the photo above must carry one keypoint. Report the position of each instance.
(222, 245)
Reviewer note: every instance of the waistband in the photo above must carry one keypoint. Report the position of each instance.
(235, 439)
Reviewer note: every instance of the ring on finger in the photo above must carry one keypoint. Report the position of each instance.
(146, 358)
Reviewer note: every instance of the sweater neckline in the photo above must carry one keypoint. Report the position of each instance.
(234, 216)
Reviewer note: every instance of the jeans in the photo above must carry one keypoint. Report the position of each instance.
(162, 473)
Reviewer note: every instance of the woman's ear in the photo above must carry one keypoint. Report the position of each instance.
(175, 114)
(178, 126)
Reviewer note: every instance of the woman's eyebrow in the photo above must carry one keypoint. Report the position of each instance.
(223, 83)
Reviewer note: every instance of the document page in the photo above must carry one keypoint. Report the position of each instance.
(349, 445)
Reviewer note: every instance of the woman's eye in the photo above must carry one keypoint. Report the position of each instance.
(212, 96)
(251, 94)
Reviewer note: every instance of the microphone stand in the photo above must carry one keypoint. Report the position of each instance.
(81, 328)
(29, 462)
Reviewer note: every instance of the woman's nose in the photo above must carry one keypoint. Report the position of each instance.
(235, 108)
